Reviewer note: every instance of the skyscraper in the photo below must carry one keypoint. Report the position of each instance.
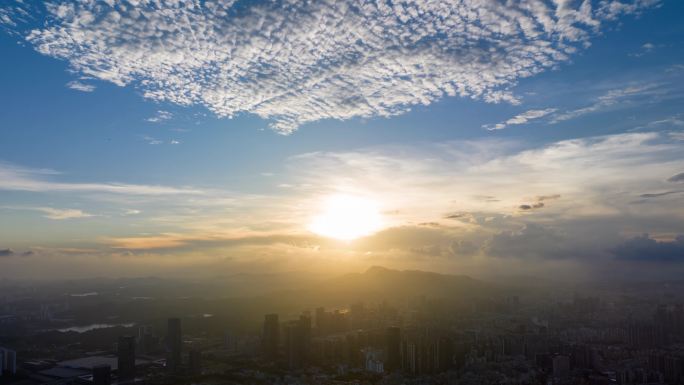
(195, 362)
(271, 337)
(126, 357)
(102, 375)
(174, 345)
(297, 342)
(392, 349)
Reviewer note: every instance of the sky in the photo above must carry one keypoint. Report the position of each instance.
(207, 138)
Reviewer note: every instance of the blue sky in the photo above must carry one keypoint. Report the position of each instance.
(215, 143)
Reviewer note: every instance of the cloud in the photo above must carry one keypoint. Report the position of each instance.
(522, 118)
(151, 140)
(539, 202)
(79, 86)
(526, 207)
(6, 252)
(61, 214)
(676, 178)
(643, 50)
(542, 198)
(644, 248)
(161, 116)
(53, 213)
(661, 194)
(299, 62)
(610, 99)
(531, 241)
(17, 178)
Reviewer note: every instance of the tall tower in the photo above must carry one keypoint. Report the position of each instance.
(298, 342)
(126, 357)
(102, 375)
(174, 345)
(195, 362)
(393, 349)
(271, 337)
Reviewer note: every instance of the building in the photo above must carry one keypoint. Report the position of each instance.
(373, 360)
(392, 349)
(102, 374)
(297, 342)
(145, 341)
(174, 345)
(271, 337)
(126, 357)
(561, 366)
(195, 362)
(8, 361)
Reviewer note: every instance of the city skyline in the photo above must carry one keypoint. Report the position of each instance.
(194, 139)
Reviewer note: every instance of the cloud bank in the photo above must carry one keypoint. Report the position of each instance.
(297, 62)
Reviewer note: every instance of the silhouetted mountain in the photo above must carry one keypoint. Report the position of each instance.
(378, 283)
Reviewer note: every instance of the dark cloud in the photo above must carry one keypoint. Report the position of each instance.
(27, 253)
(539, 202)
(662, 194)
(6, 252)
(531, 241)
(527, 207)
(645, 248)
(677, 178)
(455, 216)
(542, 198)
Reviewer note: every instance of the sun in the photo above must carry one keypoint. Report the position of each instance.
(347, 217)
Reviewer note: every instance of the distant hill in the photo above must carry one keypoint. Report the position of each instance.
(378, 283)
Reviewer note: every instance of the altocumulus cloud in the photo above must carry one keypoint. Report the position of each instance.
(297, 62)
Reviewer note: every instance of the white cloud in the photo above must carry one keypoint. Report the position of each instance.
(161, 116)
(151, 140)
(53, 213)
(16, 178)
(522, 118)
(611, 99)
(60, 214)
(79, 86)
(599, 176)
(298, 62)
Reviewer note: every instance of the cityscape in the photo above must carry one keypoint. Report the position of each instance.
(342, 192)
(532, 333)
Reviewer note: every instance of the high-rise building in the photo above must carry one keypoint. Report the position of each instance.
(445, 353)
(8, 361)
(297, 342)
(561, 366)
(126, 357)
(195, 362)
(392, 349)
(174, 345)
(144, 342)
(271, 337)
(102, 375)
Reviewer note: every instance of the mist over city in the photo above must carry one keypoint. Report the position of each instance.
(415, 192)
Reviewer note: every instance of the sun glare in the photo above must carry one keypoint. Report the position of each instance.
(347, 217)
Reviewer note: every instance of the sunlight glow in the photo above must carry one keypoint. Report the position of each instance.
(347, 217)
